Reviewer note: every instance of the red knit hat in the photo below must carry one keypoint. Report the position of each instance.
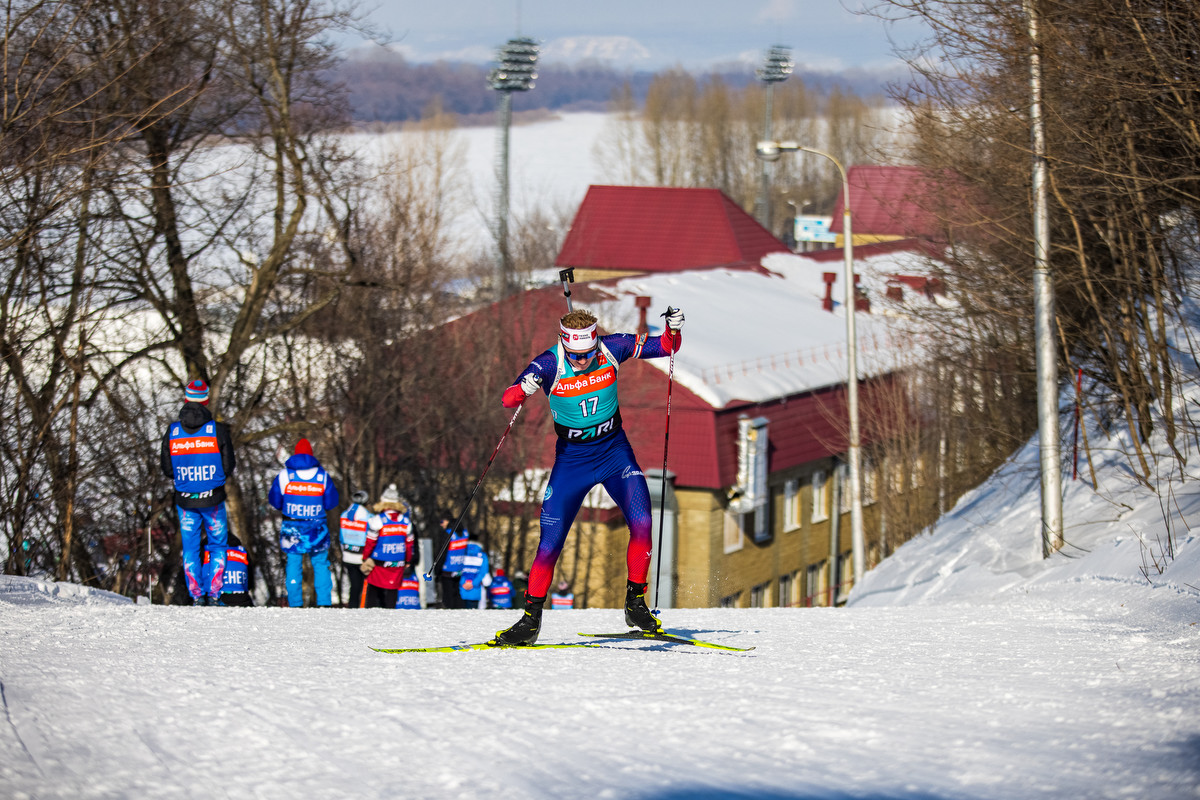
(196, 392)
(303, 448)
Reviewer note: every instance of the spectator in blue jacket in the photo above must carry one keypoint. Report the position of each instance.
(353, 535)
(304, 492)
(197, 454)
(238, 579)
(475, 576)
(408, 596)
(453, 546)
(500, 593)
(562, 597)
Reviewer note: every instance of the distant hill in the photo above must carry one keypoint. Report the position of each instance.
(385, 87)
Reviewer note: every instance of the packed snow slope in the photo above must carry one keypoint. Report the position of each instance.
(965, 667)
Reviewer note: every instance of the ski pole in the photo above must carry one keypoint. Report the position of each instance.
(662, 500)
(567, 276)
(429, 575)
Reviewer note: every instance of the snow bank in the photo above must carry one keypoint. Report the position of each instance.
(16, 590)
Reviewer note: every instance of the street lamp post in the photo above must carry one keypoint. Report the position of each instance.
(771, 151)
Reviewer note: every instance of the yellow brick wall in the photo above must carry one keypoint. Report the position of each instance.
(594, 553)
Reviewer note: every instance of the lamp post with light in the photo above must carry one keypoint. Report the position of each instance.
(771, 151)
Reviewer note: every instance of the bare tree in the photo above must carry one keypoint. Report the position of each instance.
(1124, 159)
(702, 133)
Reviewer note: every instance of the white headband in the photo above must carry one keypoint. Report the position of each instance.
(578, 339)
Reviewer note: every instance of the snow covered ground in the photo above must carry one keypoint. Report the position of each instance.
(965, 667)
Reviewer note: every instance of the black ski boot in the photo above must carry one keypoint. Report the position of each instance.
(637, 614)
(527, 627)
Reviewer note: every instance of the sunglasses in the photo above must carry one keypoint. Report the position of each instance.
(588, 356)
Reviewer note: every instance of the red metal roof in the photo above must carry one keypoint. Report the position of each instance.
(703, 439)
(663, 229)
(891, 201)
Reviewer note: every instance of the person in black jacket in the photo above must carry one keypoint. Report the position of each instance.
(197, 454)
(452, 547)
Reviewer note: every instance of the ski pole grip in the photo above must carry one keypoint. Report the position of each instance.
(567, 276)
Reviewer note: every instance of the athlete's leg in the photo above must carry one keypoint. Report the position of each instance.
(322, 579)
(190, 526)
(295, 579)
(570, 481)
(216, 527)
(629, 491)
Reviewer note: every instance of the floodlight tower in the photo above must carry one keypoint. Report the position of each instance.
(776, 67)
(516, 73)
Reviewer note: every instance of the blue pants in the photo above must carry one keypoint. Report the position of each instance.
(577, 468)
(192, 523)
(322, 579)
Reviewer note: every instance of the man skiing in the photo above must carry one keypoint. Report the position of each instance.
(197, 454)
(579, 375)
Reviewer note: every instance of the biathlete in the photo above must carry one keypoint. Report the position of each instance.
(579, 375)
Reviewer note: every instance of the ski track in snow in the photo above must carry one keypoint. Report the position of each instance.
(1065, 691)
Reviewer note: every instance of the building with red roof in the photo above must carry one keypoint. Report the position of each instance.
(762, 361)
(632, 230)
(893, 203)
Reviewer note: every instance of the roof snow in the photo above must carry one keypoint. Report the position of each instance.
(757, 337)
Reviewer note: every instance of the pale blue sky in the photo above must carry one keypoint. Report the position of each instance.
(825, 35)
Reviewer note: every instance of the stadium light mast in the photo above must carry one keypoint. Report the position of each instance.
(777, 66)
(516, 72)
(771, 151)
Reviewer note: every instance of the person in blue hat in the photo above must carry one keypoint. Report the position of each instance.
(197, 455)
(304, 491)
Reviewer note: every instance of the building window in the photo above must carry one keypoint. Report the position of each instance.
(870, 480)
(814, 585)
(791, 505)
(760, 596)
(731, 601)
(843, 479)
(734, 539)
(843, 575)
(788, 590)
(820, 497)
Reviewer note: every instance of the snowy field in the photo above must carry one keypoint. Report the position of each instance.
(965, 667)
(1086, 689)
